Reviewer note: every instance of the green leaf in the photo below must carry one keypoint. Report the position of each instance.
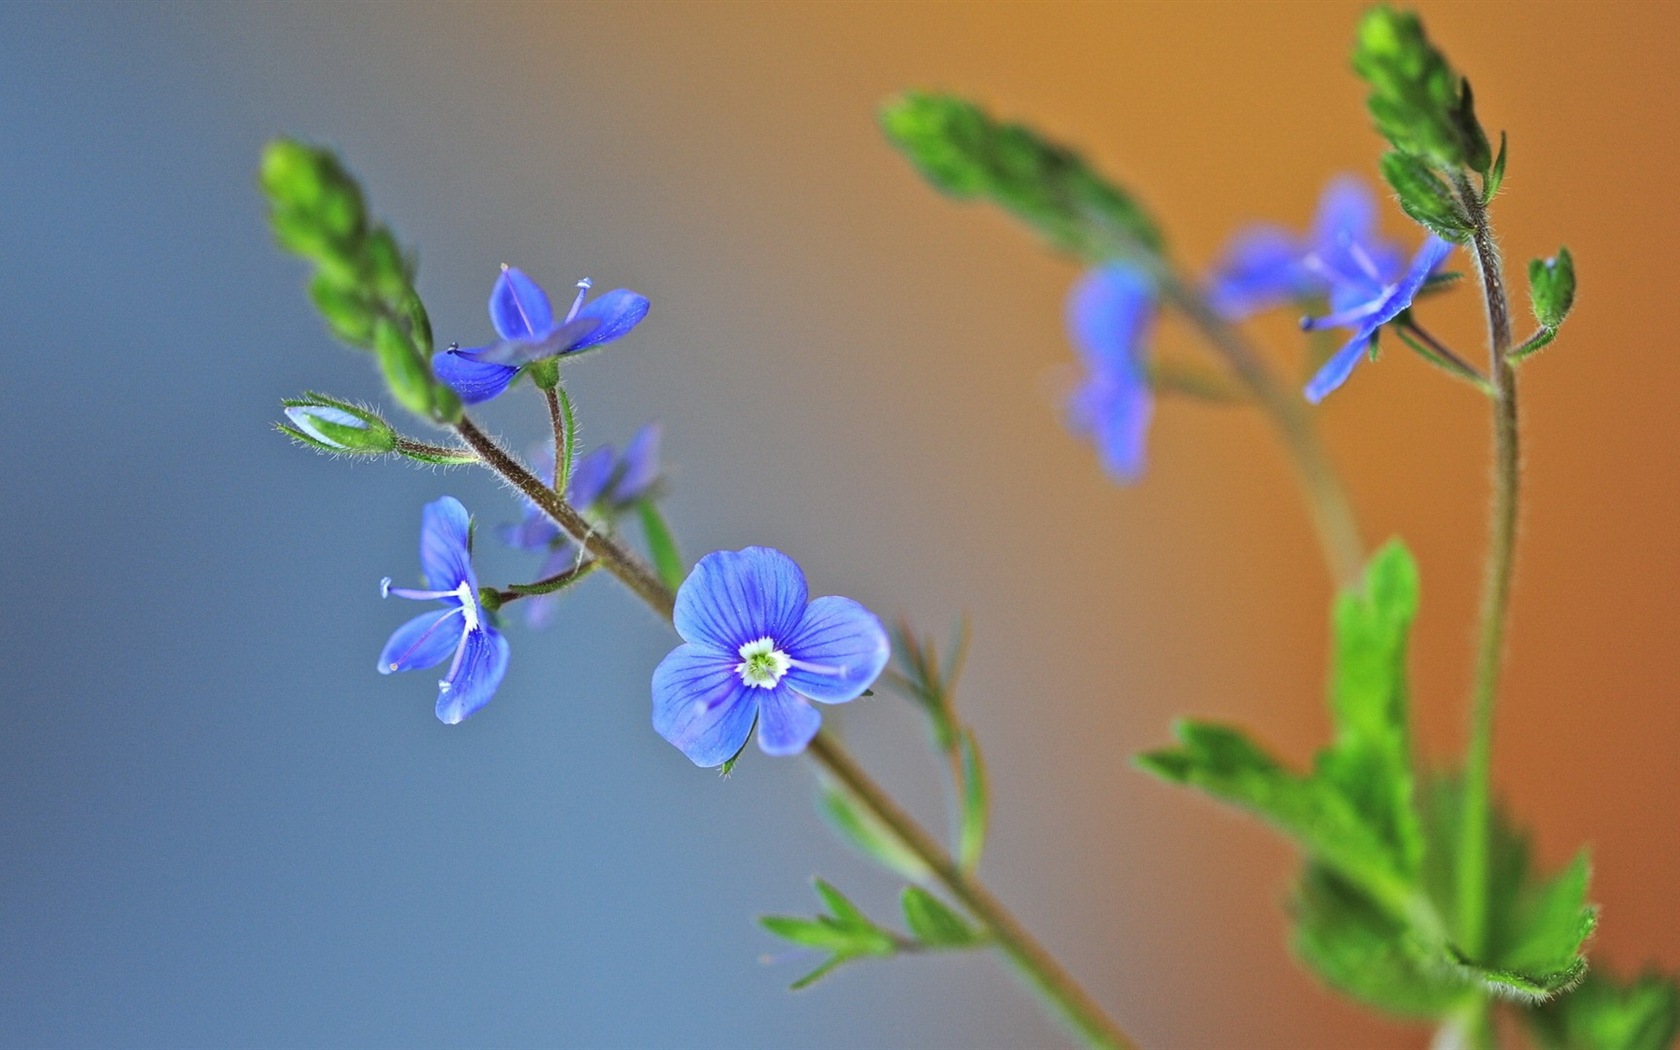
(1425, 197)
(1370, 760)
(1536, 926)
(847, 934)
(1602, 1014)
(964, 152)
(821, 933)
(1365, 953)
(934, 923)
(1496, 174)
(662, 546)
(975, 803)
(868, 836)
(1223, 762)
(1418, 102)
(1551, 288)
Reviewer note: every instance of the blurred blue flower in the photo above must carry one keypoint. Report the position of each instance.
(1266, 266)
(1365, 301)
(1109, 313)
(480, 651)
(523, 318)
(754, 651)
(602, 486)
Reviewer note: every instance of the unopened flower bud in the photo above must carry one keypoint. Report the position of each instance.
(335, 426)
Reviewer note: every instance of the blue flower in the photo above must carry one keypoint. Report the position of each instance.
(1365, 301)
(1266, 266)
(522, 316)
(1109, 313)
(754, 651)
(602, 485)
(462, 628)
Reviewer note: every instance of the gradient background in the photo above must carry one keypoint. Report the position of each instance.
(220, 827)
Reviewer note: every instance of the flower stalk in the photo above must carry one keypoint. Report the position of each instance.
(1037, 966)
(1496, 591)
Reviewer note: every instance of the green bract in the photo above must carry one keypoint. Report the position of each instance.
(1551, 288)
(1419, 103)
(966, 153)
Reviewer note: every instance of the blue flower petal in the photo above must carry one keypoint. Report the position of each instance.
(786, 722)
(839, 649)
(1336, 370)
(590, 474)
(561, 340)
(483, 662)
(616, 313)
(519, 308)
(1347, 213)
(1114, 412)
(735, 597)
(641, 464)
(533, 532)
(1108, 311)
(425, 641)
(701, 705)
(1433, 253)
(1261, 268)
(445, 528)
(475, 380)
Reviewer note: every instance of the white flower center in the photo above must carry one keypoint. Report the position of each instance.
(469, 604)
(762, 664)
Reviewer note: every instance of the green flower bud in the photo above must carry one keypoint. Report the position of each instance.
(1551, 288)
(337, 426)
(1419, 103)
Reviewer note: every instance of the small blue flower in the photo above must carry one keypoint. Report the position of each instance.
(1266, 266)
(754, 651)
(602, 485)
(480, 651)
(1366, 301)
(1109, 313)
(522, 316)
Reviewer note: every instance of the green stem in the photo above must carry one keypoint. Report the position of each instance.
(1327, 500)
(1496, 591)
(563, 420)
(1036, 965)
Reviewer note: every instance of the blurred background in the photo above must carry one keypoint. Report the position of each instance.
(220, 827)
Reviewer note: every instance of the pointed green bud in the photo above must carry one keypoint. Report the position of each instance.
(1425, 197)
(309, 184)
(1419, 103)
(408, 377)
(348, 312)
(338, 426)
(1551, 288)
(964, 152)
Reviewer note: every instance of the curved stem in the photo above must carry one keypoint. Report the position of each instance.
(1327, 500)
(1035, 964)
(1496, 590)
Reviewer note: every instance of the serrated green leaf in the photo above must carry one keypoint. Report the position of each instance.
(1366, 954)
(975, 803)
(1223, 762)
(1425, 197)
(868, 836)
(1370, 759)
(964, 152)
(933, 923)
(1602, 1014)
(662, 546)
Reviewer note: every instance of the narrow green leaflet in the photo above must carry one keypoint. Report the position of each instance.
(846, 934)
(932, 922)
(965, 152)
(975, 804)
(1603, 1014)
(662, 546)
(868, 836)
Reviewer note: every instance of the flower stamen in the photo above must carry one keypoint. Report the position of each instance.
(762, 664)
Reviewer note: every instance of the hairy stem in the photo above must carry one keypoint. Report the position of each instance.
(1327, 500)
(1496, 590)
(1037, 966)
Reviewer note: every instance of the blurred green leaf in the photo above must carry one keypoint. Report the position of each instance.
(933, 923)
(964, 152)
(662, 546)
(1419, 103)
(1602, 1014)
(975, 804)
(868, 836)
